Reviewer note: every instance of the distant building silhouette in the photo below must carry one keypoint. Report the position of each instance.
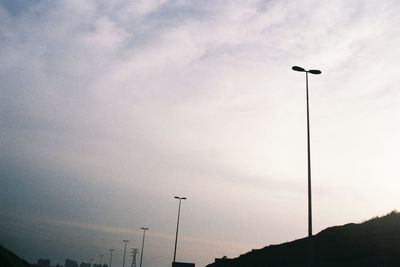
(43, 262)
(84, 264)
(70, 263)
(182, 264)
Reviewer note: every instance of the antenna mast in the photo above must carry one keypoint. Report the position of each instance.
(134, 252)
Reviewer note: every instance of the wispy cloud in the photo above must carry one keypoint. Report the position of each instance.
(112, 108)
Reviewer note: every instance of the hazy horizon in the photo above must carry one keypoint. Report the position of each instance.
(109, 110)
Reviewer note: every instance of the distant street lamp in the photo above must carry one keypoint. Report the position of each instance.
(125, 241)
(177, 223)
(111, 251)
(296, 68)
(101, 259)
(144, 234)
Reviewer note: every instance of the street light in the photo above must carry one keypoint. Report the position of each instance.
(177, 224)
(125, 241)
(297, 68)
(101, 259)
(144, 234)
(111, 251)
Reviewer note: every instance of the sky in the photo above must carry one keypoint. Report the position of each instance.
(111, 108)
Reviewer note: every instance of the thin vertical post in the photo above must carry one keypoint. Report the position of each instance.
(144, 234)
(111, 251)
(309, 163)
(177, 228)
(123, 263)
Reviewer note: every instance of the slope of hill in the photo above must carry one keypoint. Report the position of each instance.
(9, 259)
(375, 242)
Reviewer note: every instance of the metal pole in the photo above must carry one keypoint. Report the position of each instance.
(101, 259)
(309, 163)
(125, 241)
(111, 251)
(177, 228)
(310, 241)
(141, 255)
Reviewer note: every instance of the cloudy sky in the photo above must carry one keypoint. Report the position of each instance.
(110, 108)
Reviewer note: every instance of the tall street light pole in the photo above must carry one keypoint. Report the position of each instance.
(144, 234)
(111, 251)
(177, 224)
(125, 241)
(296, 68)
(101, 259)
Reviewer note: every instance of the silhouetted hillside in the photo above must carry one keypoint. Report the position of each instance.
(9, 259)
(373, 243)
